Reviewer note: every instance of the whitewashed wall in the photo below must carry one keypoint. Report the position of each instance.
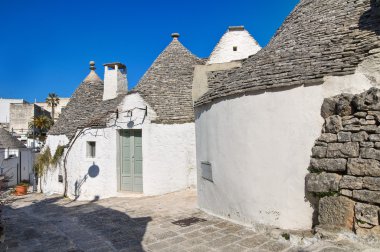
(9, 166)
(49, 182)
(223, 52)
(168, 156)
(259, 147)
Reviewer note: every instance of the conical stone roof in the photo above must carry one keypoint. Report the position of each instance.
(80, 107)
(9, 141)
(318, 39)
(167, 85)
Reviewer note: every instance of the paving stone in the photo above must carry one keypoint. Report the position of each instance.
(223, 241)
(275, 246)
(254, 241)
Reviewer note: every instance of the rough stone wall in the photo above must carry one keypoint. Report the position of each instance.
(344, 178)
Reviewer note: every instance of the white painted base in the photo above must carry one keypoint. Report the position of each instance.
(259, 147)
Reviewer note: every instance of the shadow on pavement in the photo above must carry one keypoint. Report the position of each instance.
(52, 225)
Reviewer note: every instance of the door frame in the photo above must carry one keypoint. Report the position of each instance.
(120, 160)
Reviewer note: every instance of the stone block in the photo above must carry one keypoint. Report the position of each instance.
(367, 213)
(363, 167)
(343, 105)
(324, 182)
(333, 124)
(328, 107)
(372, 233)
(328, 138)
(352, 128)
(360, 114)
(370, 128)
(344, 137)
(319, 152)
(370, 153)
(370, 117)
(337, 211)
(374, 137)
(367, 101)
(342, 150)
(367, 144)
(359, 137)
(375, 114)
(330, 165)
(354, 121)
(367, 196)
(377, 145)
(371, 183)
(351, 182)
(346, 192)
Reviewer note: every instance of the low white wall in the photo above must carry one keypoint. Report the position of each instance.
(259, 147)
(168, 156)
(49, 182)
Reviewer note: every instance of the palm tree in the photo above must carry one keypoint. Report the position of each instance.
(42, 123)
(52, 100)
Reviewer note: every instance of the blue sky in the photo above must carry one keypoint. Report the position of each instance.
(45, 45)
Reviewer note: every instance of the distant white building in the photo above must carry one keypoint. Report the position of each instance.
(16, 161)
(5, 108)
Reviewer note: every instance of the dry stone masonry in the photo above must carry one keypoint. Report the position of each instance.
(345, 165)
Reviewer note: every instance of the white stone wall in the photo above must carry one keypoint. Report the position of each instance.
(223, 52)
(168, 156)
(49, 183)
(259, 147)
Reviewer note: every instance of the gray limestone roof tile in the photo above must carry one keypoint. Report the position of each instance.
(9, 141)
(167, 85)
(80, 107)
(319, 38)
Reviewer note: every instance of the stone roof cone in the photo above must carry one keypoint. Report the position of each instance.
(81, 105)
(319, 38)
(167, 85)
(9, 141)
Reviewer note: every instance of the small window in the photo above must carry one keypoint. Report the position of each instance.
(91, 149)
(234, 48)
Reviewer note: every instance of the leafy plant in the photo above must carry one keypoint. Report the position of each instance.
(42, 162)
(57, 155)
(286, 236)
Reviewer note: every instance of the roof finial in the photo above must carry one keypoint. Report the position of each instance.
(175, 35)
(92, 65)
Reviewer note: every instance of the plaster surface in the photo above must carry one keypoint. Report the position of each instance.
(259, 147)
(245, 44)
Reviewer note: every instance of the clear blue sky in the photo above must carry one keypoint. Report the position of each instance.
(45, 45)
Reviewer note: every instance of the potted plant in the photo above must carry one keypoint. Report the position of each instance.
(22, 188)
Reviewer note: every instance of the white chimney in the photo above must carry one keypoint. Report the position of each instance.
(115, 80)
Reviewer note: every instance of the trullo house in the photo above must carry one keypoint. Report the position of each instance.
(256, 123)
(117, 141)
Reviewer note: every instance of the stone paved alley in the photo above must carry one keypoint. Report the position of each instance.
(164, 223)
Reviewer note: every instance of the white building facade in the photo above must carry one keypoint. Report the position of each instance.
(140, 142)
(256, 127)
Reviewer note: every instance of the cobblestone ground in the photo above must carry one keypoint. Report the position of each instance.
(165, 223)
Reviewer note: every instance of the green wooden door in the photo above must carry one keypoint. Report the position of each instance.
(131, 161)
